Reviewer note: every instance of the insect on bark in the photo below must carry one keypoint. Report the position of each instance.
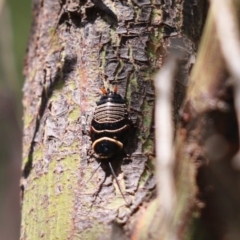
(109, 128)
(110, 124)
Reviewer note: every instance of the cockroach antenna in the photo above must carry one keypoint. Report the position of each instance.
(115, 177)
(93, 173)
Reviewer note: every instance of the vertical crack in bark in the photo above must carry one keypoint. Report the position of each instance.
(47, 92)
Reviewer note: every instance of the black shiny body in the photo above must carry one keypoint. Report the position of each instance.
(110, 125)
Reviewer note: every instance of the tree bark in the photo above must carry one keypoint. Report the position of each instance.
(76, 48)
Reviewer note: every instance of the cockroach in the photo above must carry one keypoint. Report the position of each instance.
(109, 128)
(110, 124)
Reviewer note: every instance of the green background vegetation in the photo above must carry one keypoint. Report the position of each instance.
(15, 21)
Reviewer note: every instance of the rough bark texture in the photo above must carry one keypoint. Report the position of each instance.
(75, 48)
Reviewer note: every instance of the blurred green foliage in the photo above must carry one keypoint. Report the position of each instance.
(20, 13)
(14, 32)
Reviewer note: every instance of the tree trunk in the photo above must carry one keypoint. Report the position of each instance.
(76, 48)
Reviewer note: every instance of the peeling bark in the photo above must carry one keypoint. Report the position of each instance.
(75, 48)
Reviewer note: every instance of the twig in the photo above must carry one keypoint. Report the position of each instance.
(164, 141)
(226, 20)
